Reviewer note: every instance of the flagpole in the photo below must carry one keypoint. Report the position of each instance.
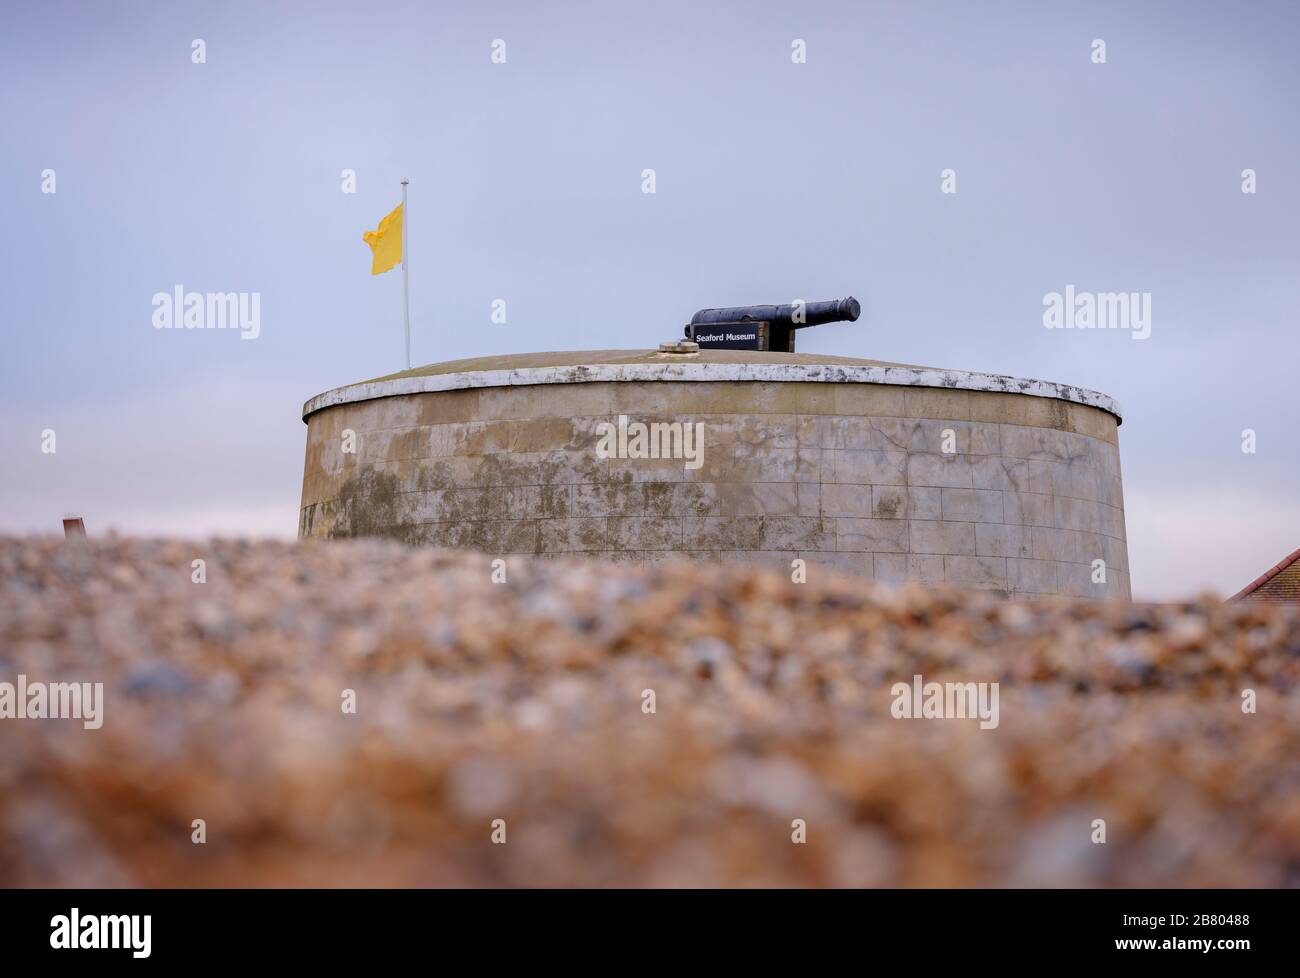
(406, 274)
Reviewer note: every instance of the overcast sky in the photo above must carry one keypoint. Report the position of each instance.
(774, 180)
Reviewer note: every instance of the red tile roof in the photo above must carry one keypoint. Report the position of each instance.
(1278, 585)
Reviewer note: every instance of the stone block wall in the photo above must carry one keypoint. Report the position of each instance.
(847, 476)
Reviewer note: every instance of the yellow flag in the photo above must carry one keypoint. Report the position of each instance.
(386, 242)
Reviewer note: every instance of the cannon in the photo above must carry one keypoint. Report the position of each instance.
(768, 327)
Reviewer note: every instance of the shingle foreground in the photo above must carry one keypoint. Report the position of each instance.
(523, 701)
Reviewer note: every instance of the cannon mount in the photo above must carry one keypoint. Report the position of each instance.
(769, 328)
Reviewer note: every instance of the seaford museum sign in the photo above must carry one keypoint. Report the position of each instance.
(767, 328)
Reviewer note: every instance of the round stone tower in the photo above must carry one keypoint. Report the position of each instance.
(883, 470)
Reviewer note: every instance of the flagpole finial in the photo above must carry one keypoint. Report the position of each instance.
(405, 181)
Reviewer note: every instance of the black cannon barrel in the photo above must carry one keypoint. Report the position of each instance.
(814, 314)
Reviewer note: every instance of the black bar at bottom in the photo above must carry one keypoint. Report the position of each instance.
(1225, 928)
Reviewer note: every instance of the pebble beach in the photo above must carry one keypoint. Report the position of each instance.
(622, 725)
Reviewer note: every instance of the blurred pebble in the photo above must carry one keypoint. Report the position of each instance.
(356, 712)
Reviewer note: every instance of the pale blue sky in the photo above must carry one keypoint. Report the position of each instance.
(775, 181)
